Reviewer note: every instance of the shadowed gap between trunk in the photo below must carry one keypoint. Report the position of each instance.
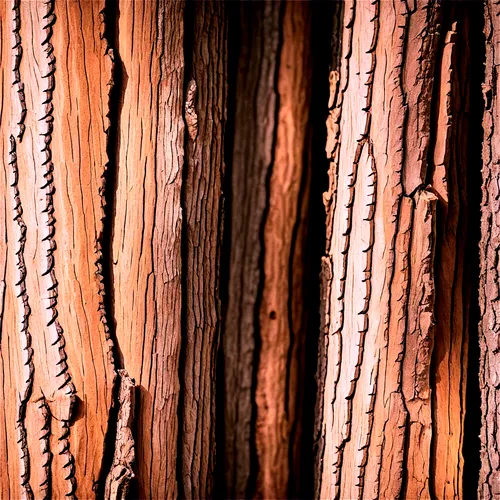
(471, 448)
(111, 16)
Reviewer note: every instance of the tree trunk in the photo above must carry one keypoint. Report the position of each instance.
(489, 369)
(264, 331)
(129, 254)
(96, 96)
(393, 358)
(58, 371)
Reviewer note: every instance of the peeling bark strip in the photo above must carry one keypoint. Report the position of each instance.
(53, 283)
(121, 473)
(264, 325)
(489, 369)
(387, 427)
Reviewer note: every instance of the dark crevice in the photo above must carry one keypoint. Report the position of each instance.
(189, 32)
(233, 47)
(110, 17)
(473, 13)
(324, 46)
(441, 226)
(296, 341)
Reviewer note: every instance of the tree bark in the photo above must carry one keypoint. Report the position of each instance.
(264, 330)
(489, 369)
(112, 179)
(57, 376)
(393, 355)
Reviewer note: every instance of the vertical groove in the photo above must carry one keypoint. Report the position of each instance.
(188, 64)
(472, 422)
(104, 264)
(25, 336)
(48, 244)
(253, 482)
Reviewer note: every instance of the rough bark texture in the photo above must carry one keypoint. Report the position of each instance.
(166, 236)
(205, 113)
(94, 92)
(392, 359)
(147, 229)
(264, 326)
(57, 374)
(121, 473)
(489, 370)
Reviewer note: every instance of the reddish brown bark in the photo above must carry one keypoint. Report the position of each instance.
(392, 359)
(489, 374)
(85, 101)
(55, 344)
(264, 329)
(166, 236)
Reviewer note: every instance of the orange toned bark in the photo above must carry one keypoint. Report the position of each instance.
(55, 337)
(84, 101)
(281, 329)
(147, 225)
(449, 180)
(392, 359)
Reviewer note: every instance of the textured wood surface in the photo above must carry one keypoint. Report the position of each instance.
(166, 236)
(58, 369)
(147, 227)
(489, 369)
(94, 93)
(392, 357)
(205, 110)
(264, 325)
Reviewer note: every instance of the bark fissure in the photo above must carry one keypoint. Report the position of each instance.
(254, 487)
(48, 243)
(115, 476)
(28, 368)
